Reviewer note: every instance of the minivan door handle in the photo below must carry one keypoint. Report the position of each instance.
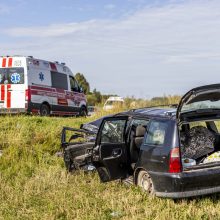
(117, 152)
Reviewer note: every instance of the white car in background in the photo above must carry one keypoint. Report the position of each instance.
(113, 101)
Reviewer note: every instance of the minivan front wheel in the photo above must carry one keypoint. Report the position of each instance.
(144, 181)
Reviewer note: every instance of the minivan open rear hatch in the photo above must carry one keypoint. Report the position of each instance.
(198, 115)
(204, 101)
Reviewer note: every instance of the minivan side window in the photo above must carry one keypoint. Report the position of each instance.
(73, 84)
(156, 133)
(113, 131)
(143, 122)
(134, 124)
(59, 80)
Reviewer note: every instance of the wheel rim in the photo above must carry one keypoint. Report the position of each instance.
(146, 183)
(44, 111)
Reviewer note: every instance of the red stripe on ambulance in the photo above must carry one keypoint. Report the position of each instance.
(8, 96)
(10, 62)
(4, 62)
(42, 88)
(2, 92)
(53, 66)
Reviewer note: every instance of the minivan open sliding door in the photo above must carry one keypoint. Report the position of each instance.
(110, 153)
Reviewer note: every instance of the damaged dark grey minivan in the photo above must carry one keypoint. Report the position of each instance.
(168, 152)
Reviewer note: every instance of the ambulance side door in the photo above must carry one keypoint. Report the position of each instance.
(75, 99)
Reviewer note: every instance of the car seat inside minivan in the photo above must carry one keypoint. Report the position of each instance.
(136, 139)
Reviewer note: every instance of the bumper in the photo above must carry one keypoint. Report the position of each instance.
(198, 192)
(186, 184)
(12, 110)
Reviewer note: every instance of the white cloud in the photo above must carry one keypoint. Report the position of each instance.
(53, 30)
(175, 46)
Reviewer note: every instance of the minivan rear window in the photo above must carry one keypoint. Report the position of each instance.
(12, 75)
(156, 133)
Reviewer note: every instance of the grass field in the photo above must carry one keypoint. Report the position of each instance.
(35, 185)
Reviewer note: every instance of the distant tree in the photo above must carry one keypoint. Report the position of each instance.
(91, 99)
(94, 97)
(83, 82)
(98, 96)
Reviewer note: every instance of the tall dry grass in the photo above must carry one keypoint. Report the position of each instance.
(35, 185)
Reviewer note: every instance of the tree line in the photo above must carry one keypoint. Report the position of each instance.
(93, 97)
(96, 98)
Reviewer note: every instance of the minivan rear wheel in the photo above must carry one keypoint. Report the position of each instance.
(144, 181)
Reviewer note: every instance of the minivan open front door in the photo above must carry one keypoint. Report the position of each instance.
(110, 153)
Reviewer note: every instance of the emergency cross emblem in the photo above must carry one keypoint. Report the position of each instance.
(15, 78)
(41, 76)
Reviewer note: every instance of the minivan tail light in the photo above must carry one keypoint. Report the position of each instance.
(27, 95)
(175, 165)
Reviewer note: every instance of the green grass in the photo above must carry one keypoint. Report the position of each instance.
(35, 185)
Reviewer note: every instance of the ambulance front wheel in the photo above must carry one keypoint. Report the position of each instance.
(44, 110)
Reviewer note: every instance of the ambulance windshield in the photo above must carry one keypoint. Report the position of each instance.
(12, 75)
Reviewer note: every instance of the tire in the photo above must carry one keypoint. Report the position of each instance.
(83, 111)
(44, 110)
(144, 181)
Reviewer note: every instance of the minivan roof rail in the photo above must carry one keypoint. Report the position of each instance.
(155, 106)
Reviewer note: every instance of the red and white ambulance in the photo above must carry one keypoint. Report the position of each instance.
(39, 86)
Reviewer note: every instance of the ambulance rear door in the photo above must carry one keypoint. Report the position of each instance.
(12, 82)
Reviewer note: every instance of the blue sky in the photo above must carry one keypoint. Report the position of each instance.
(143, 48)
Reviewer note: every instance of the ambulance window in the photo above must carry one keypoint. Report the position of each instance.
(12, 75)
(59, 80)
(73, 84)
